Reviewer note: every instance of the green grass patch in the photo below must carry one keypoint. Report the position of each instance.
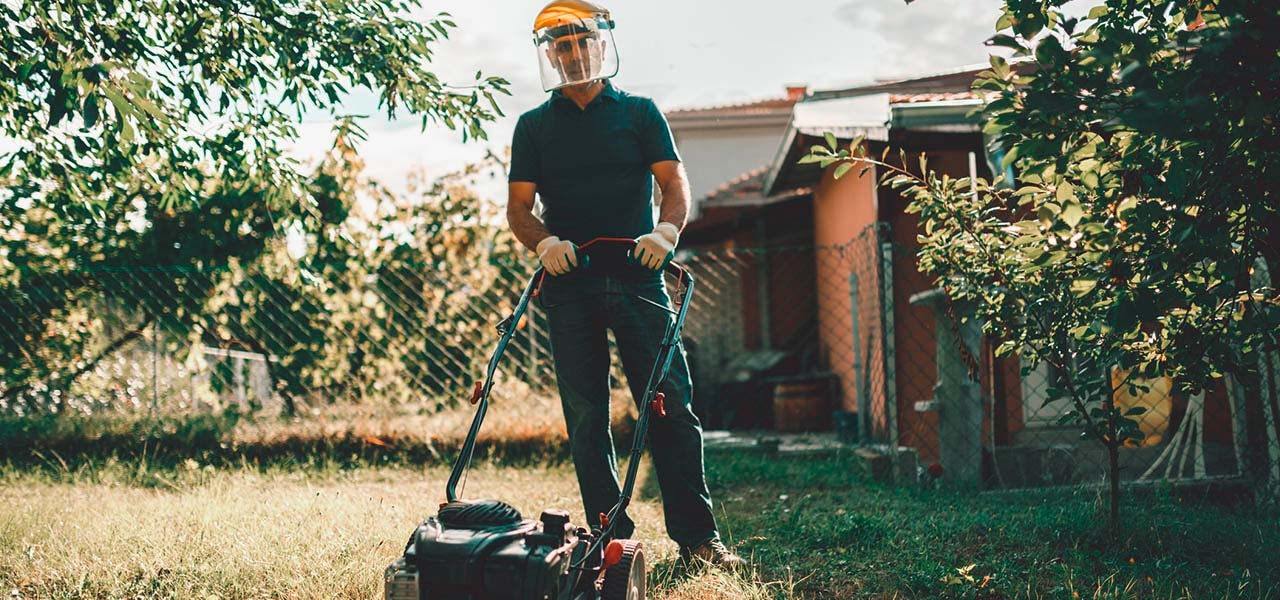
(188, 518)
(838, 536)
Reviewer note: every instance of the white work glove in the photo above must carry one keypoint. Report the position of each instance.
(558, 256)
(653, 250)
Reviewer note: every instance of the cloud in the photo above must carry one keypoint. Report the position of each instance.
(925, 36)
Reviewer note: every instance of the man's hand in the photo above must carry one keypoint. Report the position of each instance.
(558, 256)
(653, 250)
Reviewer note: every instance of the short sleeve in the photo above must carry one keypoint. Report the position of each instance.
(524, 153)
(655, 135)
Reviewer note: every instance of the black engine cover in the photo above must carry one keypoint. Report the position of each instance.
(478, 549)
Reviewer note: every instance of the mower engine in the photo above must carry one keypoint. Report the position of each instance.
(484, 549)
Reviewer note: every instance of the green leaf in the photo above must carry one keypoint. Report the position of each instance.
(90, 111)
(1127, 206)
(1049, 51)
(126, 131)
(842, 169)
(57, 106)
(831, 140)
(1030, 25)
(998, 65)
(1098, 12)
(1026, 227)
(1071, 214)
(1005, 41)
(1047, 212)
(1005, 21)
(1081, 287)
(1065, 192)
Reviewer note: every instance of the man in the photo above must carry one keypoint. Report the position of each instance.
(592, 152)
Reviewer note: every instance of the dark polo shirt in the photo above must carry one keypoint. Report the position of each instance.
(592, 165)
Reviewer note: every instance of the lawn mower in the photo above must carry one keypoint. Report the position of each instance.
(485, 550)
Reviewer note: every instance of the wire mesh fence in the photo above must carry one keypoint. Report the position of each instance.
(848, 338)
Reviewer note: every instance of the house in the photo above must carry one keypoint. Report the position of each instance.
(920, 386)
(721, 141)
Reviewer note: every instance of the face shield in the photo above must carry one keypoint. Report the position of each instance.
(575, 50)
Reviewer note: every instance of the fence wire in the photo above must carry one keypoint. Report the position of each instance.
(845, 338)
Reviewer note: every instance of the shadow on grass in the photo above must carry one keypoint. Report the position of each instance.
(62, 443)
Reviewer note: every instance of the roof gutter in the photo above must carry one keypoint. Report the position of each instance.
(943, 115)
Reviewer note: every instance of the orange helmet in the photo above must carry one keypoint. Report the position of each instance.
(575, 43)
(569, 12)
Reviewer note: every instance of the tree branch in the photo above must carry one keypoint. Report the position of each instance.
(70, 378)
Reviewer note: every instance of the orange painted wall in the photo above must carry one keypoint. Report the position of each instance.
(845, 211)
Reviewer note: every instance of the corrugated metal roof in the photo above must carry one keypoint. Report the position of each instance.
(953, 80)
(931, 97)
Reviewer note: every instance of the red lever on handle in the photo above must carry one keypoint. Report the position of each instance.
(475, 395)
(657, 404)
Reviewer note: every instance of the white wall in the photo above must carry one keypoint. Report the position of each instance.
(715, 156)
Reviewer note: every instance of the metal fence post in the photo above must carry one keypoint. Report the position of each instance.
(957, 396)
(155, 366)
(860, 391)
(762, 290)
(888, 349)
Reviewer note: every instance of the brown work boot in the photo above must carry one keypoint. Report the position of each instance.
(714, 553)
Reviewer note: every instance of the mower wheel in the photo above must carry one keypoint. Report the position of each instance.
(625, 580)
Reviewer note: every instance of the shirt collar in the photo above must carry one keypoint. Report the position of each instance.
(609, 93)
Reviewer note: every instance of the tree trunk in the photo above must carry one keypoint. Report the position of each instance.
(1110, 439)
(1113, 461)
(1113, 480)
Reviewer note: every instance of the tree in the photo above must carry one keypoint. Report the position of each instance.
(150, 132)
(359, 311)
(108, 99)
(1144, 150)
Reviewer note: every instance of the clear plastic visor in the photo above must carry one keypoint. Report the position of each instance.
(575, 53)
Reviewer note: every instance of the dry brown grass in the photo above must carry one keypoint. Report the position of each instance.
(527, 421)
(131, 527)
(517, 430)
(252, 534)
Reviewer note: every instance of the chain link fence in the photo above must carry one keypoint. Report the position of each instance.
(848, 339)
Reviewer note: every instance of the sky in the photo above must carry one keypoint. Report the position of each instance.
(679, 52)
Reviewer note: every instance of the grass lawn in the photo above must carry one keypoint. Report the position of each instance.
(324, 525)
(118, 530)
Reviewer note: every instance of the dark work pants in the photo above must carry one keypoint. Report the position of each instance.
(580, 308)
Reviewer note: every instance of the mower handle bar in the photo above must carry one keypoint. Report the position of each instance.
(671, 267)
(658, 373)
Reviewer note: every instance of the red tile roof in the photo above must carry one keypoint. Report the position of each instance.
(756, 107)
(750, 182)
(746, 190)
